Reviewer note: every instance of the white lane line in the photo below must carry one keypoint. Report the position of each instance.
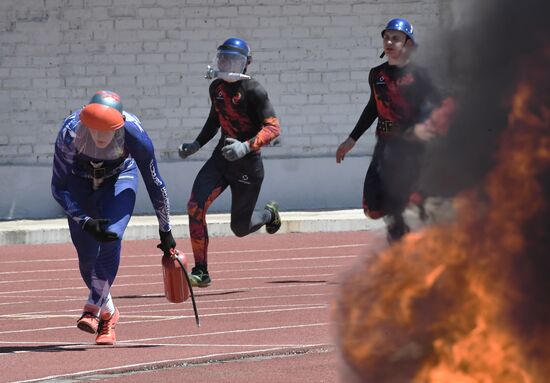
(214, 333)
(74, 258)
(141, 314)
(274, 277)
(158, 265)
(36, 299)
(178, 317)
(227, 332)
(197, 294)
(37, 271)
(203, 302)
(262, 297)
(222, 345)
(312, 267)
(165, 361)
(64, 345)
(43, 343)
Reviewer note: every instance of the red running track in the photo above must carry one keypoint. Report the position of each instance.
(266, 317)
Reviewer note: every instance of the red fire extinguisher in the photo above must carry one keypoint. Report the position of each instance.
(177, 286)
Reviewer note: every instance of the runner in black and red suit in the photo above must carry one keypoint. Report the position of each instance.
(406, 105)
(241, 107)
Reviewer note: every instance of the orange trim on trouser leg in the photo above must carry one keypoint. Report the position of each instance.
(416, 198)
(374, 214)
(198, 230)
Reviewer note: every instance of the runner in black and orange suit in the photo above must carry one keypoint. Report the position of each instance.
(241, 107)
(410, 112)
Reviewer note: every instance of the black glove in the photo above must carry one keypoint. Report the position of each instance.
(95, 229)
(167, 242)
(185, 150)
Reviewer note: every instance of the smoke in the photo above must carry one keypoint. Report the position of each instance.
(489, 42)
(468, 300)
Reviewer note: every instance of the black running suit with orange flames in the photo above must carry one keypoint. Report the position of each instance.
(400, 98)
(244, 112)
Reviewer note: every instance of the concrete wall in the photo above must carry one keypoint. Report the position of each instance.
(297, 183)
(312, 56)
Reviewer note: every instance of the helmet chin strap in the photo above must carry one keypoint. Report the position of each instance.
(232, 77)
(226, 76)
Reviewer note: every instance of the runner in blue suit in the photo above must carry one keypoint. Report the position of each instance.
(98, 152)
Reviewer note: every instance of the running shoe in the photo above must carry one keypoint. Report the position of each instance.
(88, 322)
(199, 276)
(106, 329)
(275, 224)
(396, 228)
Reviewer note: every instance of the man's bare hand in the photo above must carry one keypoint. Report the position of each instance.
(344, 148)
(424, 131)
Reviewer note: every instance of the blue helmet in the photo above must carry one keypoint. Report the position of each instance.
(236, 45)
(106, 97)
(401, 25)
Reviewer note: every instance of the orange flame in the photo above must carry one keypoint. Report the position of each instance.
(443, 305)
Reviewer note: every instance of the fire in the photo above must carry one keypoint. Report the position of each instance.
(467, 301)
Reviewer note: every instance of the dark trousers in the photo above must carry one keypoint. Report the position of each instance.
(244, 177)
(391, 177)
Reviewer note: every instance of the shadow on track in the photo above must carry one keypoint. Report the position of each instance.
(297, 281)
(62, 348)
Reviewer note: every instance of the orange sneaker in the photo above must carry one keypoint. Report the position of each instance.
(88, 322)
(106, 330)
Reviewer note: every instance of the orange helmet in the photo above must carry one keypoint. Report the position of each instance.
(103, 116)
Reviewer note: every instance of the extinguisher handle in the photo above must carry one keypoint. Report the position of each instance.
(173, 254)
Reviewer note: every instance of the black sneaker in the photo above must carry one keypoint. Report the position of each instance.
(397, 228)
(199, 277)
(275, 224)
